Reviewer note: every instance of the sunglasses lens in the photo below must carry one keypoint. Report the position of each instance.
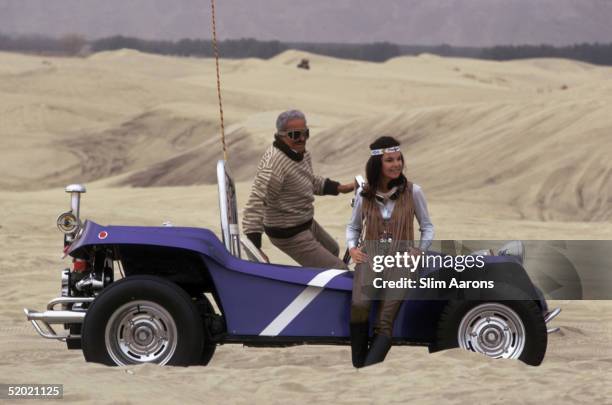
(295, 135)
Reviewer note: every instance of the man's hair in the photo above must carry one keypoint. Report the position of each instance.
(286, 116)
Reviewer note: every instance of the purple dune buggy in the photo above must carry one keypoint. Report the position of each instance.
(184, 291)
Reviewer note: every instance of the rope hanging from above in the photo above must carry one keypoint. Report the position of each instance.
(216, 52)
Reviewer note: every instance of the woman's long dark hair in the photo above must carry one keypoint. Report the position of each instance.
(374, 167)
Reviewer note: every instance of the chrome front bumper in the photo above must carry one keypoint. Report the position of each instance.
(57, 316)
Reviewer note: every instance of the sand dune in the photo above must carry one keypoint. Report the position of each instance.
(471, 115)
(546, 160)
(514, 150)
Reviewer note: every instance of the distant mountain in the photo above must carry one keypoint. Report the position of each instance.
(426, 22)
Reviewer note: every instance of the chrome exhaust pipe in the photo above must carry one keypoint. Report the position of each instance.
(55, 316)
(549, 317)
(52, 316)
(552, 315)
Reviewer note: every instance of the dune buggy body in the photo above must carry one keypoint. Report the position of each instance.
(161, 309)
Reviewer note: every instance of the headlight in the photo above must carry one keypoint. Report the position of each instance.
(68, 222)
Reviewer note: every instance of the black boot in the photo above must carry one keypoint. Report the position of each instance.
(359, 343)
(378, 350)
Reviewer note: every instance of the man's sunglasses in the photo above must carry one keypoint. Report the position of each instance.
(296, 134)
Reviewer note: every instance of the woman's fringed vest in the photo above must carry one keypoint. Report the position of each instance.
(400, 227)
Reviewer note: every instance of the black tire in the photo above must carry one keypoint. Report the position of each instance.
(530, 314)
(152, 307)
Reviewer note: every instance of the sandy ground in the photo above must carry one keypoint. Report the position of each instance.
(516, 150)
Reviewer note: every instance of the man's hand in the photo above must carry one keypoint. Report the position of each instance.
(357, 255)
(346, 188)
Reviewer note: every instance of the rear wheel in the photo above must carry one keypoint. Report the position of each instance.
(510, 328)
(492, 329)
(143, 319)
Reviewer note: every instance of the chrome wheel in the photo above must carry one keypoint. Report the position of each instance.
(141, 332)
(492, 329)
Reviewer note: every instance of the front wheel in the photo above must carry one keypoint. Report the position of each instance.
(510, 328)
(143, 319)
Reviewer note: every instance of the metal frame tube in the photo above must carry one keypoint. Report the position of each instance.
(75, 203)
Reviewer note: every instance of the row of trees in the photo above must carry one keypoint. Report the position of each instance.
(74, 44)
(71, 44)
(250, 48)
(598, 54)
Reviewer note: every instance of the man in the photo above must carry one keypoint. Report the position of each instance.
(282, 196)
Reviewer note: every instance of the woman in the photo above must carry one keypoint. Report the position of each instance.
(386, 207)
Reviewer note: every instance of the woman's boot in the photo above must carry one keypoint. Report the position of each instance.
(359, 343)
(378, 350)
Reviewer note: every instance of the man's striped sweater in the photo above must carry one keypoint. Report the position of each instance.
(282, 195)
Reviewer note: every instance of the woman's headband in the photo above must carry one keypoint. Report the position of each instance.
(378, 152)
